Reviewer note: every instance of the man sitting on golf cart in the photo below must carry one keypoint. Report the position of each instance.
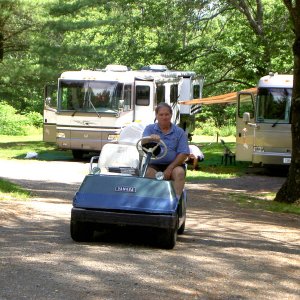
(173, 164)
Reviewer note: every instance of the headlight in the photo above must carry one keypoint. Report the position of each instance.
(113, 137)
(60, 135)
(159, 175)
(258, 149)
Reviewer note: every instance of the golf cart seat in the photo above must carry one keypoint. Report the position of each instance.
(119, 158)
(131, 133)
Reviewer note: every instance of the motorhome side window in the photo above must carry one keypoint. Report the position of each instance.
(116, 96)
(127, 96)
(50, 96)
(174, 93)
(196, 91)
(245, 104)
(160, 93)
(273, 104)
(142, 95)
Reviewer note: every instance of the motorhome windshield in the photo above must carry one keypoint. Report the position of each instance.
(273, 105)
(89, 96)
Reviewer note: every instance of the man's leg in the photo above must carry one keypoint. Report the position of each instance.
(178, 176)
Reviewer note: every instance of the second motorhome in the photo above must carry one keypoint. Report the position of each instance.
(264, 123)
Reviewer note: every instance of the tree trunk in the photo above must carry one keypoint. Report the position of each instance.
(290, 191)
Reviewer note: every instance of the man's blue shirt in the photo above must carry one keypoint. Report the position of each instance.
(176, 141)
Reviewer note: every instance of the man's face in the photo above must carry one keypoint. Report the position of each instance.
(164, 117)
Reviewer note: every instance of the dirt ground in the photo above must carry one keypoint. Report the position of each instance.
(226, 252)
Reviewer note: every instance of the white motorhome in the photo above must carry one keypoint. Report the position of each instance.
(91, 106)
(264, 123)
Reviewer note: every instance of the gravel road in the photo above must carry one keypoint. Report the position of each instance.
(227, 252)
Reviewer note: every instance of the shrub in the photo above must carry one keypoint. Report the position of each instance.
(12, 123)
(35, 119)
(229, 130)
(208, 128)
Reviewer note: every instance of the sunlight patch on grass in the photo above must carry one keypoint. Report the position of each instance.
(198, 139)
(36, 136)
(264, 202)
(202, 175)
(16, 147)
(10, 191)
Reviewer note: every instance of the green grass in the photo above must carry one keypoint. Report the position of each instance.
(16, 147)
(265, 202)
(10, 191)
(198, 139)
(212, 167)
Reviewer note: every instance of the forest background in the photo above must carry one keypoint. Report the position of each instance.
(232, 43)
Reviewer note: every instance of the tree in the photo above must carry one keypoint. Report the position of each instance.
(290, 190)
(9, 30)
(261, 34)
(161, 31)
(17, 62)
(209, 37)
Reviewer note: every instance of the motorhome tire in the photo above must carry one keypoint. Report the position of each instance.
(77, 154)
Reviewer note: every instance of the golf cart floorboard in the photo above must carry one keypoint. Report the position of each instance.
(123, 218)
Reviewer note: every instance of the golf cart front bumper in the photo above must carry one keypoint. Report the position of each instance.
(123, 218)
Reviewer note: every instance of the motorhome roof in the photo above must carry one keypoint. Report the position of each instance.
(112, 74)
(276, 80)
(98, 75)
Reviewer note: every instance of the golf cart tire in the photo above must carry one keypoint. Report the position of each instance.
(169, 237)
(81, 232)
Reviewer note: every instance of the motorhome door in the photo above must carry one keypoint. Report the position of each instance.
(50, 116)
(144, 102)
(245, 127)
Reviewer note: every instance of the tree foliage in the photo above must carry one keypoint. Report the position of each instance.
(231, 42)
(19, 78)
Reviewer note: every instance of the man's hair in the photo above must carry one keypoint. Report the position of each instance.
(161, 105)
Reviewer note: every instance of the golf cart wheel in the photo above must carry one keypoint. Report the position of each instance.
(181, 228)
(81, 232)
(169, 237)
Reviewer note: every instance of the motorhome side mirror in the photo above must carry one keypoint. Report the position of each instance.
(48, 101)
(246, 117)
(121, 104)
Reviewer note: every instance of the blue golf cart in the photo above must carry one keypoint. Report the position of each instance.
(116, 192)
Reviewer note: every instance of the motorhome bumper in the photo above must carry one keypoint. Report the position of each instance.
(271, 158)
(123, 218)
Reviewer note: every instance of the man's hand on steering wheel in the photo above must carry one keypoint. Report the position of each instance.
(155, 137)
(154, 145)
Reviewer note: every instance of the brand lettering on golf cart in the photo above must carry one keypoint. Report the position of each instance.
(126, 189)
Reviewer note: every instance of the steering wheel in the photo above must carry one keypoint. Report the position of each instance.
(148, 145)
